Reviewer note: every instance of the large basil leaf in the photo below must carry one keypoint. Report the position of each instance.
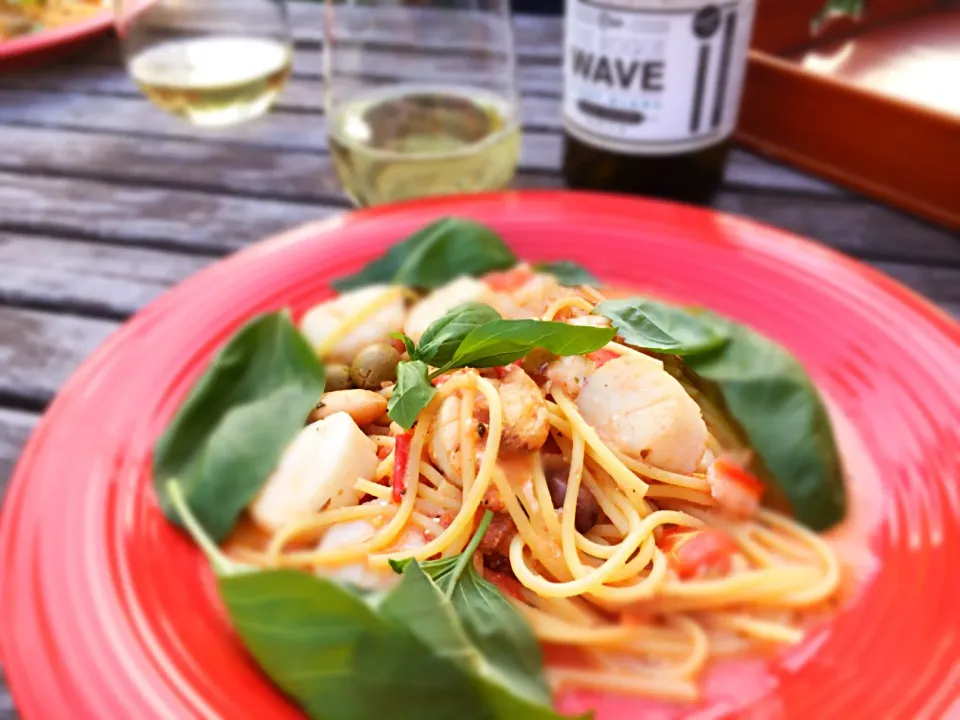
(411, 394)
(431, 257)
(567, 272)
(338, 657)
(507, 655)
(341, 654)
(652, 325)
(758, 390)
(502, 341)
(440, 341)
(241, 414)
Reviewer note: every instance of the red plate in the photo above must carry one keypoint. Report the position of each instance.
(108, 612)
(50, 45)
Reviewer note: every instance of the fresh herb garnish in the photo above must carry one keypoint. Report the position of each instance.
(567, 272)
(493, 625)
(412, 393)
(469, 336)
(756, 389)
(440, 341)
(447, 249)
(500, 342)
(433, 256)
(240, 416)
(405, 654)
(652, 325)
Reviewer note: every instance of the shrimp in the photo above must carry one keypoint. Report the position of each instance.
(525, 424)
(645, 413)
(444, 446)
(318, 469)
(441, 301)
(569, 374)
(354, 532)
(322, 322)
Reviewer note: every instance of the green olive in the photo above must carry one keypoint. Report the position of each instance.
(374, 365)
(338, 377)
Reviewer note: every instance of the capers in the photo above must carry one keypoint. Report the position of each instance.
(338, 377)
(374, 365)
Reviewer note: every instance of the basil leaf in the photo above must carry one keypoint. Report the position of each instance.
(338, 657)
(238, 419)
(509, 654)
(762, 391)
(411, 394)
(567, 273)
(652, 325)
(332, 651)
(502, 341)
(431, 257)
(440, 341)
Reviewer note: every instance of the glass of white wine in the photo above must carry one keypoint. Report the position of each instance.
(421, 97)
(212, 62)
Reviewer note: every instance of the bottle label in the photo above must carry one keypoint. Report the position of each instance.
(654, 76)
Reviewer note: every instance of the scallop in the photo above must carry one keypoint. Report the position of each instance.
(645, 413)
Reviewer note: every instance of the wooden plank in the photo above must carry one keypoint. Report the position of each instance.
(215, 167)
(392, 63)
(21, 147)
(38, 351)
(859, 227)
(536, 36)
(91, 278)
(136, 117)
(15, 428)
(145, 215)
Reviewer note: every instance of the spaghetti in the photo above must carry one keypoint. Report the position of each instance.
(657, 580)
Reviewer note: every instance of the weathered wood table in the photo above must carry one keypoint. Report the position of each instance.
(105, 202)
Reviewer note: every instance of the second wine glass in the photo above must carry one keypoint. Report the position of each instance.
(211, 62)
(421, 98)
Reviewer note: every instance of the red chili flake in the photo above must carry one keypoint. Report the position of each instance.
(401, 458)
(602, 357)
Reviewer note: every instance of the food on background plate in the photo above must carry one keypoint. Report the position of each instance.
(22, 17)
(466, 482)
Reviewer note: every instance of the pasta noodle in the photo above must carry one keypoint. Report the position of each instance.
(615, 590)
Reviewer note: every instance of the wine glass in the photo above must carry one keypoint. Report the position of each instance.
(421, 97)
(211, 62)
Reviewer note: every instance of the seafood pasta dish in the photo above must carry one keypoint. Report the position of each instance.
(510, 480)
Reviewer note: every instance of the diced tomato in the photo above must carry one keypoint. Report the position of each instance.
(498, 535)
(506, 585)
(508, 279)
(735, 488)
(602, 357)
(401, 458)
(699, 553)
(398, 345)
(383, 452)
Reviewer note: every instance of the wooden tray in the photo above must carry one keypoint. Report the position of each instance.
(873, 105)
